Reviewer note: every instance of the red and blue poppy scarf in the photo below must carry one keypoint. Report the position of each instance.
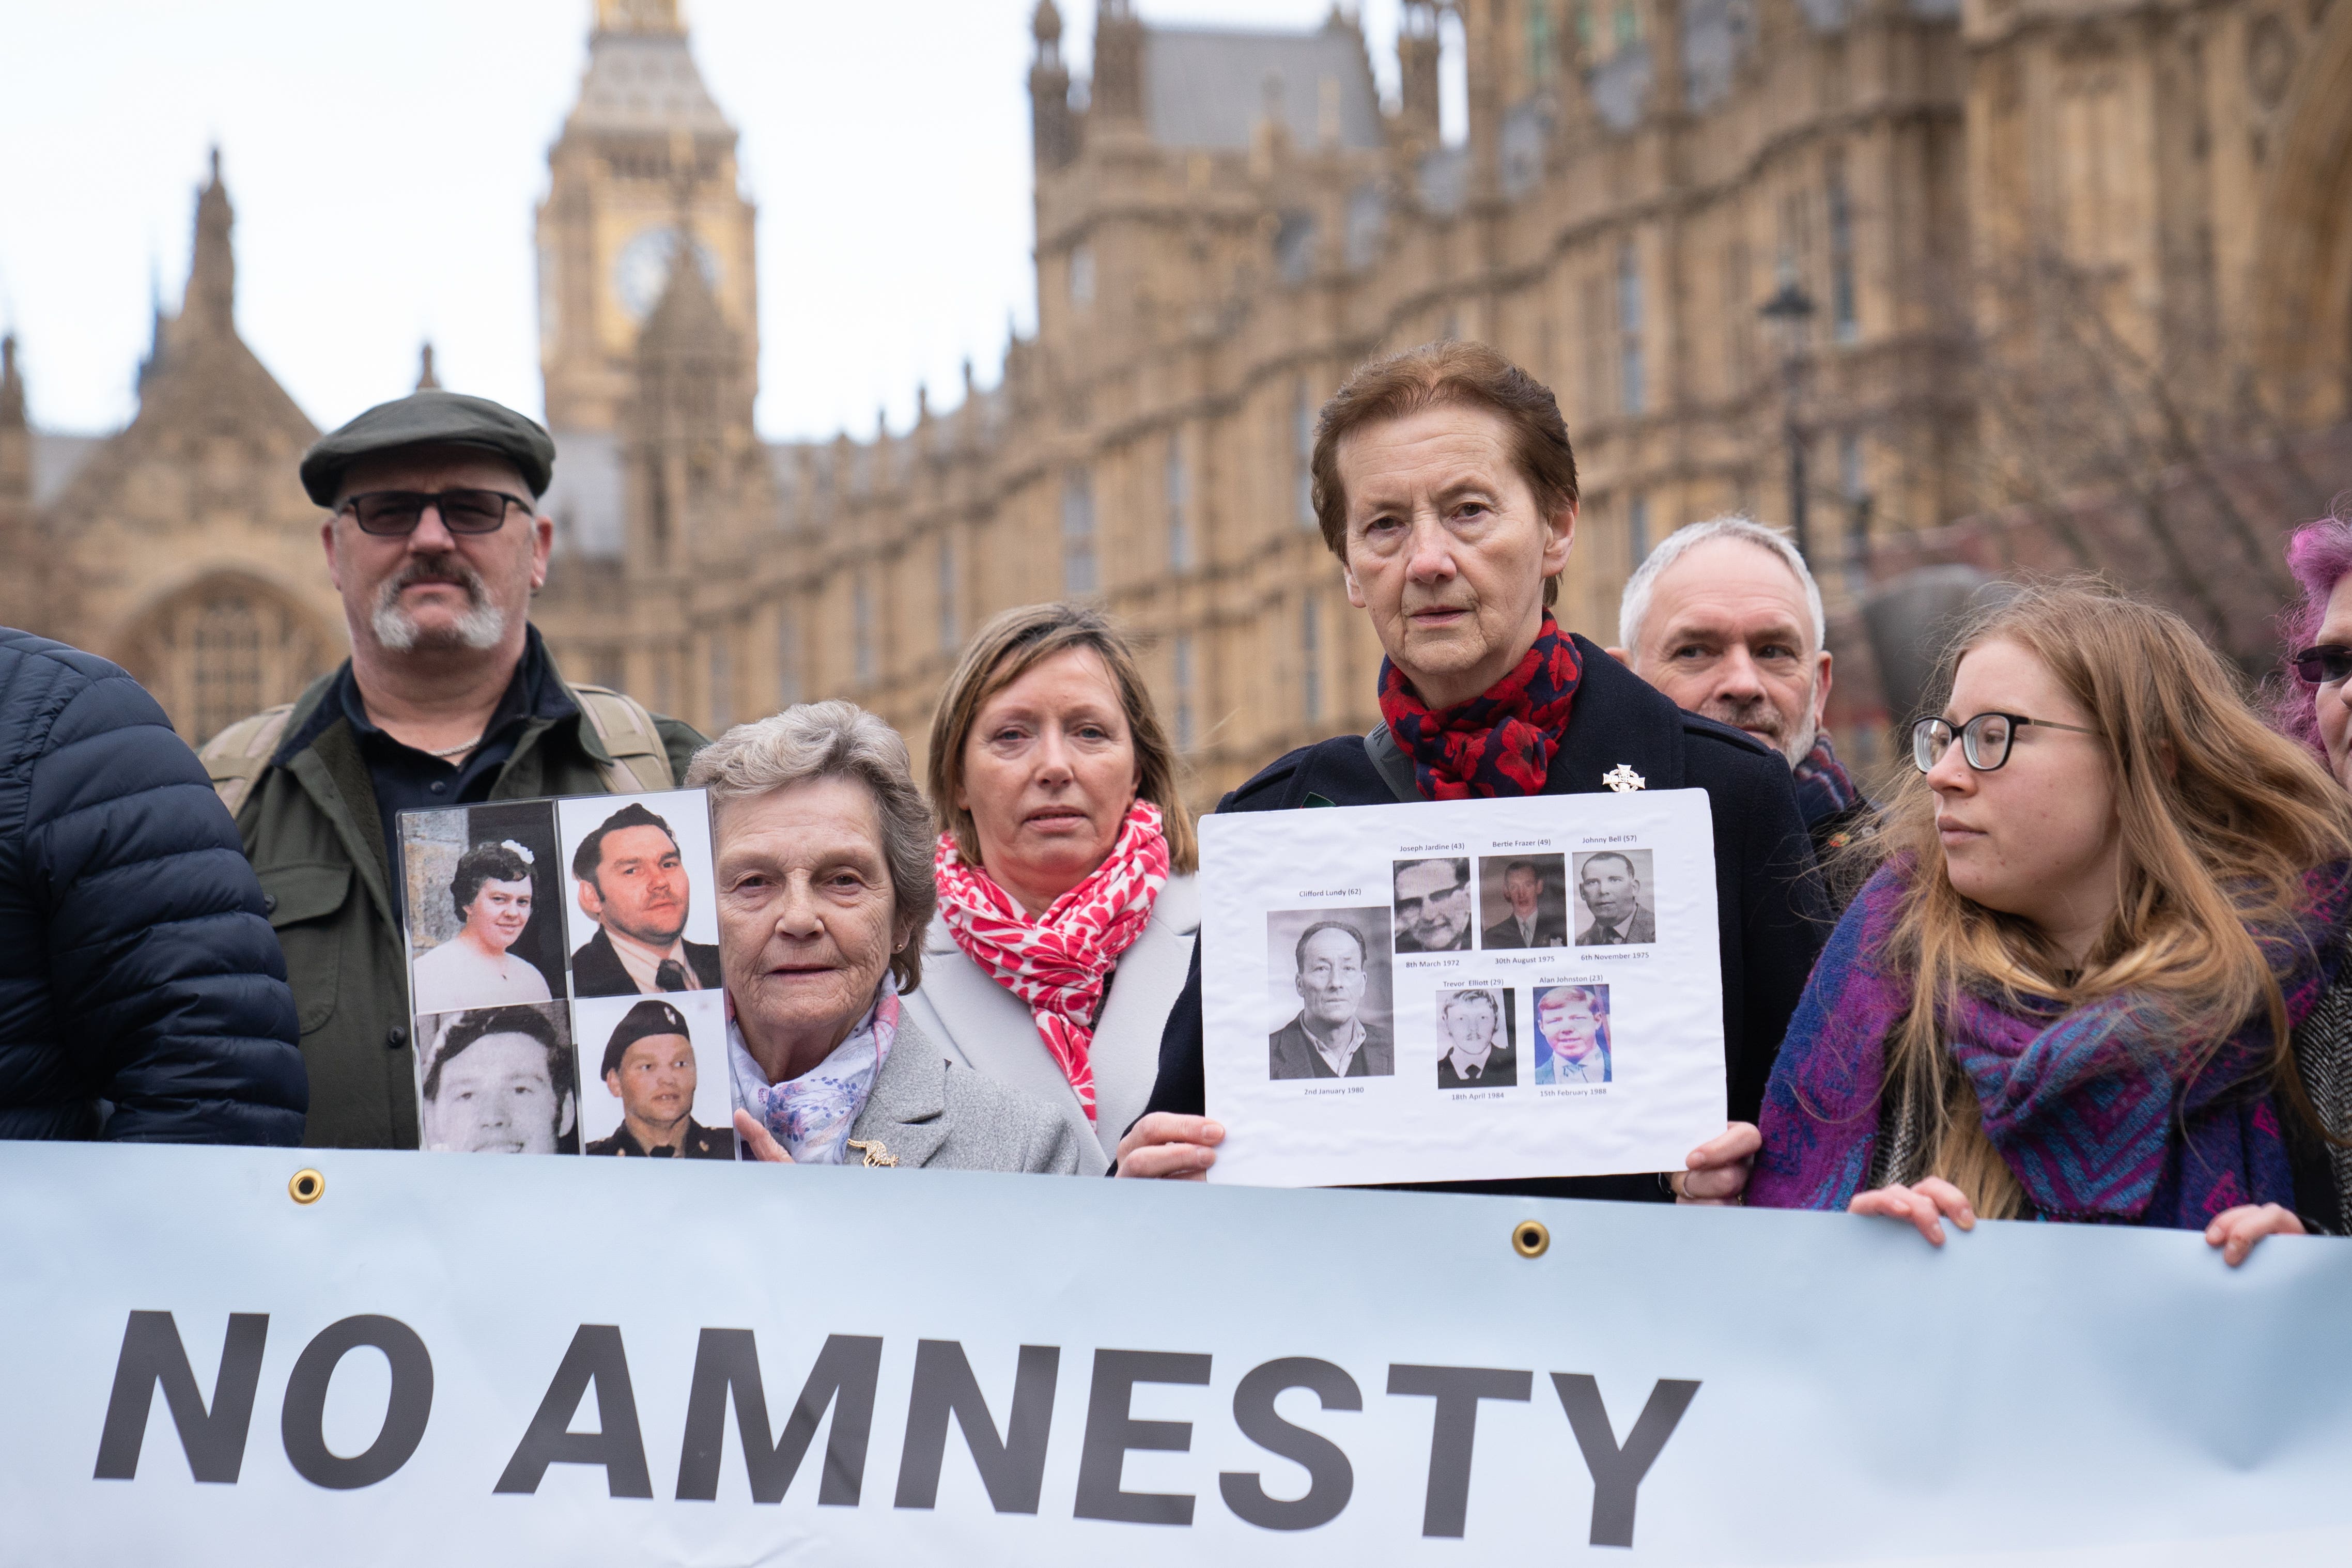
(1500, 742)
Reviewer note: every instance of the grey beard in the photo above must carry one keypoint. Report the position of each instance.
(482, 627)
(1763, 715)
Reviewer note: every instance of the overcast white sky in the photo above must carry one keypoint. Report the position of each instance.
(385, 159)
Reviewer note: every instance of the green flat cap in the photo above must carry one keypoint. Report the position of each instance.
(432, 418)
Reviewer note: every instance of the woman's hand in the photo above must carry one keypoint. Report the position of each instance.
(1171, 1147)
(1924, 1204)
(2235, 1231)
(759, 1140)
(1718, 1167)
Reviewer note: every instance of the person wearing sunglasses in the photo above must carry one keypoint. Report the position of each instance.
(2315, 704)
(2113, 893)
(433, 539)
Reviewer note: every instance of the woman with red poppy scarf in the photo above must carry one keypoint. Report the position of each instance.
(1444, 484)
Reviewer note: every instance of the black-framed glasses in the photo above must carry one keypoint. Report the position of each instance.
(462, 511)
(1984, 740)
(2323, 666)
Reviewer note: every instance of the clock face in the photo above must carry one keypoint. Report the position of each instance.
(641, 271)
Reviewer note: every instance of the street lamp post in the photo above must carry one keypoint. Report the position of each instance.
(1791, 309)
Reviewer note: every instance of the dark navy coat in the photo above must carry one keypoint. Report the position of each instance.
(142, 994)
(1768, 898)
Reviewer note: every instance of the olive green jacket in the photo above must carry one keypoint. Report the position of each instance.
(313, 833)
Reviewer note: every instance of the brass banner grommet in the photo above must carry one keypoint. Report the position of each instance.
(308, 1186)
(1528, 1239)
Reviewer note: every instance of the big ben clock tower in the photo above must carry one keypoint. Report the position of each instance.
(644, 154)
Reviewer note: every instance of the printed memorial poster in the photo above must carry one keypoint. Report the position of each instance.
(564, 977)
(1462, 990)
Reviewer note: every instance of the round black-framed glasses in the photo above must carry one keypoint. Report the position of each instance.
(1984, 740)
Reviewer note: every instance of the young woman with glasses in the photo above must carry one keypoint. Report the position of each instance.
(2113, 893)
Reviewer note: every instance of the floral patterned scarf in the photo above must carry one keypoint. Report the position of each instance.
(1057, 963)
(1498, 743)
(810, 1115)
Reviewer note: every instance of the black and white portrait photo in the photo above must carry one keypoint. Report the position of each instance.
(655, 1071)
(498, 1080)
(1432, 906)
(483, 909)
(1327, 982)
(1475, 1037)
(641, 914)
(1614, 904)
(1522, 901)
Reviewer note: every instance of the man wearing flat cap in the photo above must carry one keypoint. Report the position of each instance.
(433, 537)
(649, 1069)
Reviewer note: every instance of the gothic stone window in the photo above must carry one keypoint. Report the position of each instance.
(1080, 573)
(1310, 657)
(861, 636)
(1844, 322)
(1178, 484)
(1182, 660)
(1631, 377)
(220, 650)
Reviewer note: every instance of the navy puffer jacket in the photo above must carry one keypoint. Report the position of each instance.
(142, 994)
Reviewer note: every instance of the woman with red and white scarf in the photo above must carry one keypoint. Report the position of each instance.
(1066, 905)
(1444, 485)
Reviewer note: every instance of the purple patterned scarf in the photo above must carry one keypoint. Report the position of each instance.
(1824, 787)
(2088, 1107)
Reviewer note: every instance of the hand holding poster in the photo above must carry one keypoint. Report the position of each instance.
(565, 976)
(1462, 990)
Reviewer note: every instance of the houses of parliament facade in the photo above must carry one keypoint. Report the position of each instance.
(1855, 238)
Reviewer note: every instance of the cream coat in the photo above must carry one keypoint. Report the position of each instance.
(977, 1023)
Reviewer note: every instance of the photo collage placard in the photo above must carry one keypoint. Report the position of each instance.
(564, 977)
(1462, 990)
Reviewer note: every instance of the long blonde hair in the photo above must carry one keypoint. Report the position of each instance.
(2220, 818)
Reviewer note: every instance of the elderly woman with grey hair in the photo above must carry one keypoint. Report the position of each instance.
(822, 847)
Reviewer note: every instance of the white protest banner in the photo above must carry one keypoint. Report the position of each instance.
(593, 1361)
(1462, 990)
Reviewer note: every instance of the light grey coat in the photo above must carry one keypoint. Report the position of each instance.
(924, 1111)
(982, 1026)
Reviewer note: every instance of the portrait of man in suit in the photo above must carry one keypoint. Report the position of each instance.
(1329, 1037)
(632, 883)
(1609, 884)
(1536, 905)
(1473, 1032)
(1432, 906)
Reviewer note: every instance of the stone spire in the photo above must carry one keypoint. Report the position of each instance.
(210, 306)
(1417, 72)
(1116, 93)
(153, 360)
(1053, 131)
(12, 386)
(425, 380)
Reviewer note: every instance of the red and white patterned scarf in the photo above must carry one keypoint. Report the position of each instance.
(1057, 963)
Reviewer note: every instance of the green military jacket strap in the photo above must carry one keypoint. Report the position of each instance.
(312, 832)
